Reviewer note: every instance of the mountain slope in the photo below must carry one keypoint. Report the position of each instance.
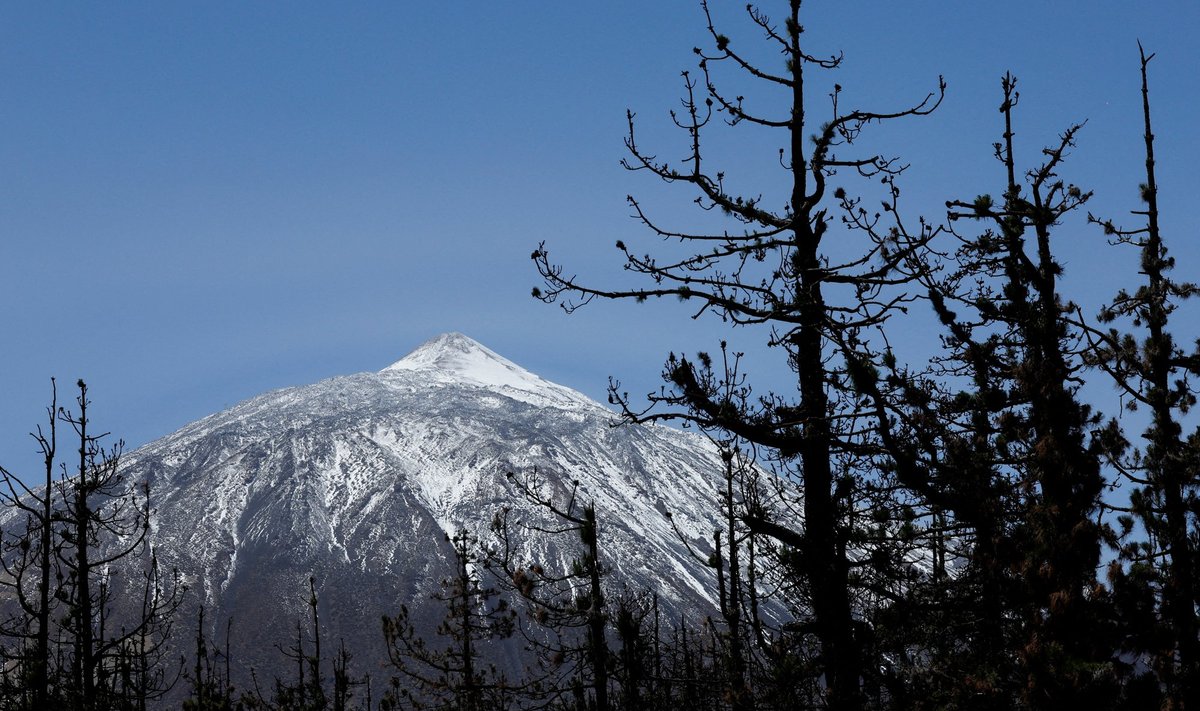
(357, 480)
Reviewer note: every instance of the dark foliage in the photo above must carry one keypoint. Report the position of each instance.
(66, 647)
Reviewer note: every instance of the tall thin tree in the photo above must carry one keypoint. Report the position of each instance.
(776, 267)
(1152, 371)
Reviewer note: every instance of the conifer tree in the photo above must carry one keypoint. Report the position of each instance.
(458, 672)
(726, 561)
(28, 561)
(210, 688)
(632, 663)
(772, 265)
(562, 603)
(105, 520)
(740, 630)
(1152, 371)
(78, 652)
(308, 690)
(1065, 657)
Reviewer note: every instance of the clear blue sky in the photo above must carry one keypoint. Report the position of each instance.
(203, 201)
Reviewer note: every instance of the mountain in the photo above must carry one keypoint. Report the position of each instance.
(356, 481)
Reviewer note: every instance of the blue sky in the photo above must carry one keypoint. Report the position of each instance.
(203, 201)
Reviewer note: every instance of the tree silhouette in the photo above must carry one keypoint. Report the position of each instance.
(1153, 372)
(79, 529)
(562, 603)
(776, 268)
(460, 675)
(28, 560)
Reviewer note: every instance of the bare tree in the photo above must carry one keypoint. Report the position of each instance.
(28, 561)
(209, 677)
(83, 527)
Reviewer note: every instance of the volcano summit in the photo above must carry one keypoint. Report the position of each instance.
(356, 482)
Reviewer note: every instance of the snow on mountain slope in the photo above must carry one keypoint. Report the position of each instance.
(454, 359)
(357, 480)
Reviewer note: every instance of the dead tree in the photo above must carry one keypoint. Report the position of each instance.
(28, 561)
(85, 530)
(103, 524)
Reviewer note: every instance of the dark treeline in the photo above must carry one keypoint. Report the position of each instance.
(957, 548)
(62, 648)
(970, 532)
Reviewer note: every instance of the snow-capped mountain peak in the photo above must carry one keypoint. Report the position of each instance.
(453, 358)
(455, 353)
(355, 482)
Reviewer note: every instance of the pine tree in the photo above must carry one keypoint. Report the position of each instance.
(28, 561)
(78, 652)
(1152, 372)
(308, 689)
(564, 604)
(1043, 427)
(456, 672)
(210, 688)
(775, 267)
